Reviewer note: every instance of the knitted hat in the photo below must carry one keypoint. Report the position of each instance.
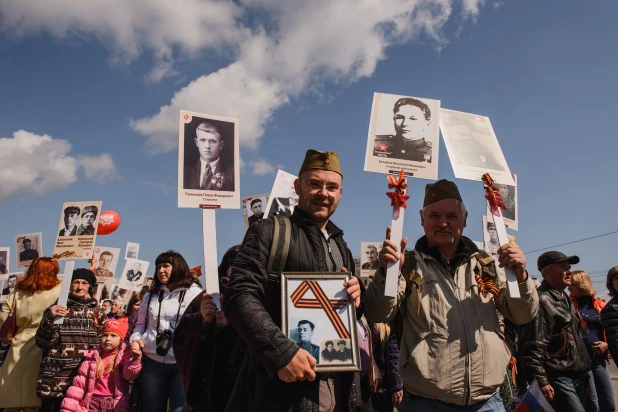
(317, 159)
(86, 275)
(117, 326)
(442, 189)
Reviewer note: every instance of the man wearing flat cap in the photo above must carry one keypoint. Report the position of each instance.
(281, 376)
(71, 214)
(553, 349)
(89, 215)
(447, 321)
(210, 172)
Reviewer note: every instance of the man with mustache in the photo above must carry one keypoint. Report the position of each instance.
(454, 353)
(412, 121)
(210, 172)
(279, 374)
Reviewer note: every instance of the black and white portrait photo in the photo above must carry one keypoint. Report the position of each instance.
(509, 197)
(472, 147)
(254, 208)
(369, 258)
(490, 236)
(28, 247)
(132, 250)
(336, 351)
(10, 285)
(208, 158)
(107, 260)
(302, 332)
(403, 134)
(133, 275)
(283, 198)
(77, 230)
(5, 254)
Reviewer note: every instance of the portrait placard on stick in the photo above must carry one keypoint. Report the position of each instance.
(283, 198)
(403, 135)
(369, 258)
(473, 147)
(5, 256)
(133, 275)
(253, 208)
(107, 260)
(28, 247)
(208, 161)
(509, 196)
(77, 230)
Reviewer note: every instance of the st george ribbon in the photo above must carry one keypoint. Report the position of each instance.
(321, 302)
(494, 203)
(398, 202)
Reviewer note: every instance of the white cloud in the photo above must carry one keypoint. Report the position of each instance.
(42, 165)
(261, 167)
(98, 168)
(302, 45)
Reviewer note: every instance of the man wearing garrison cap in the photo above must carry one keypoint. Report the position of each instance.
(448, 297)
(89, 215)
(71, 214)
(282, 376)
(211, 171)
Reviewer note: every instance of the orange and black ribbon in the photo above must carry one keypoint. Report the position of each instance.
(62, 255)
(321, 302)
(398, 196)
(492, 194)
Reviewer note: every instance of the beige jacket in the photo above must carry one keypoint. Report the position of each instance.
(452, 348)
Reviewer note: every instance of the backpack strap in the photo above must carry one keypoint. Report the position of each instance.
(279, 248)
(413, 281)
(485, 264)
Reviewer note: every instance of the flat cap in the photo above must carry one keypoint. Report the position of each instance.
(551, 257)
(317, 159)
(71, 209)
(89, 209)
(442, 189)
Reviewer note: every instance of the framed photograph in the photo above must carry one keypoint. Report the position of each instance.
(27, 248)
(132, 251)
(318, 315)
(133, 275)
(369, 258)
(5, 255)
(208, 161)
(77, 230)
(283, 198)
(403, 134)
(253, 208)
(490, 235)
(509, 197)
(107, 261)
(473, 147)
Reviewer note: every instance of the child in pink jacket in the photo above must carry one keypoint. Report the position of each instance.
(102, 382)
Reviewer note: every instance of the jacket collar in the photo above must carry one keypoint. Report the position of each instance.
(465, 248)
(554, 293)
(331, 228)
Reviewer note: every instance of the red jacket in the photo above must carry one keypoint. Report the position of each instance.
(80, 393)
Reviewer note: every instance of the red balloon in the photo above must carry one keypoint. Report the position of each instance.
(108, 222)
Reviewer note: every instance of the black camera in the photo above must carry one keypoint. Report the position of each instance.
(164, 342)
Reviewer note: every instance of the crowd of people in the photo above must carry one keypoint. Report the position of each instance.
(451, 339)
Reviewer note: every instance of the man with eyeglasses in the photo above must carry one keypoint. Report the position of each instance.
(412, 122)
(283, 374)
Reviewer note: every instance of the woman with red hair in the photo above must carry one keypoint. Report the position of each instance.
(34, 293)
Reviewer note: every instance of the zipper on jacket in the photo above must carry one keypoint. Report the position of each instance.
(330, 251)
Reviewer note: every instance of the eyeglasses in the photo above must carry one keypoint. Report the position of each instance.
(316, 186)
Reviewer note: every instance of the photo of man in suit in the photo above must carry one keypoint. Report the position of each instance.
(135, 274)
(210, 171)
(102, 270)
(89, 215)
(71, 214)
(12, 282)
(28, 253)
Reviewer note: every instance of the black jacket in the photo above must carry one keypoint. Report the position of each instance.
(609, 315)
(253, 306)
(554, 344)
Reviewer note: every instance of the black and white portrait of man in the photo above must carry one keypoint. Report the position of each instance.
(490, 236)
(71, 215)
(305, 330)
(89, 216)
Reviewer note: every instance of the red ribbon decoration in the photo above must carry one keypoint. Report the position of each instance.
(321, 302)
(398, 196)
(492, 194)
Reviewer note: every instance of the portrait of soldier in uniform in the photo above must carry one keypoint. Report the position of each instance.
(71, 215)
(212, 170)
(105, 261)
(305, 331)
(490, 236)
(28, 253)
(413, 130)
(89, 215)
(343, 352)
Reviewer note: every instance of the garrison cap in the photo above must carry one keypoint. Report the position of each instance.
(442, 189)
(317, 159)
(71, 210)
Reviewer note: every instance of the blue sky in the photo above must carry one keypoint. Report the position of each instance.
(543, 72)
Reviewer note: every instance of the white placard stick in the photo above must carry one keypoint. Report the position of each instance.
(493, 198)
(209, 232)
(65, 288)
(392, 270)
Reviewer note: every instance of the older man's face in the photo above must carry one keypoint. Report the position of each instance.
(70, 219)
(410, 122)
(371, 253)
(209, 145)
(319, 192)
(558, 275)
(443, 222)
